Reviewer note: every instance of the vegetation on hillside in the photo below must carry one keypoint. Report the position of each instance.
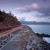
(8, 20)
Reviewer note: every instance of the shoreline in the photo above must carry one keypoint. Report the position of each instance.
(26, 31)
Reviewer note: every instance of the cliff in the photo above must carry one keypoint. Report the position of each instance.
(8, 20)
(26, 39)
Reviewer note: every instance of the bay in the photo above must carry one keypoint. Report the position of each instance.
(41, 29)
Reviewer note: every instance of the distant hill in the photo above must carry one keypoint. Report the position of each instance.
(34, 23)
(8, 20)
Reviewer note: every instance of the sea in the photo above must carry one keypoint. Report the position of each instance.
(41, 29)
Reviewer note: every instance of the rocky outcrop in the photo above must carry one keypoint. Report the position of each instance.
(26, 40)
(42, 35)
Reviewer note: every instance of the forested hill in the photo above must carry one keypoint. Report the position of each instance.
(8, 20)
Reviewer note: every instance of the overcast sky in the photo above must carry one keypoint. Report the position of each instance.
(28, 10)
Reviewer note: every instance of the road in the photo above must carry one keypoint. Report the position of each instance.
(25, 39)
(8, 44)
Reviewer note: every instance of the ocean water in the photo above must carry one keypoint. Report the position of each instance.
(41, 29)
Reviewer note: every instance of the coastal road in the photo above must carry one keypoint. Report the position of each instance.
(25, 39)
(18, 42)
(18, 30)
(10, 45)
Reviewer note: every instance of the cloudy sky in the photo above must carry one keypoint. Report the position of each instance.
(28, 10)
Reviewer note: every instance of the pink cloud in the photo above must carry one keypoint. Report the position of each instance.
(33, 6)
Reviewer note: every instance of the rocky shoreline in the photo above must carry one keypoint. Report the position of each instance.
(26, 39)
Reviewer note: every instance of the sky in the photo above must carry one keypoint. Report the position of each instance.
(28, 10)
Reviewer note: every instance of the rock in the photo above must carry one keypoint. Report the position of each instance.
(29, 41)
(26, 40)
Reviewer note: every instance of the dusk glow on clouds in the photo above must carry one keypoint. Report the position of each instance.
(33, 6)
(28, 10)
